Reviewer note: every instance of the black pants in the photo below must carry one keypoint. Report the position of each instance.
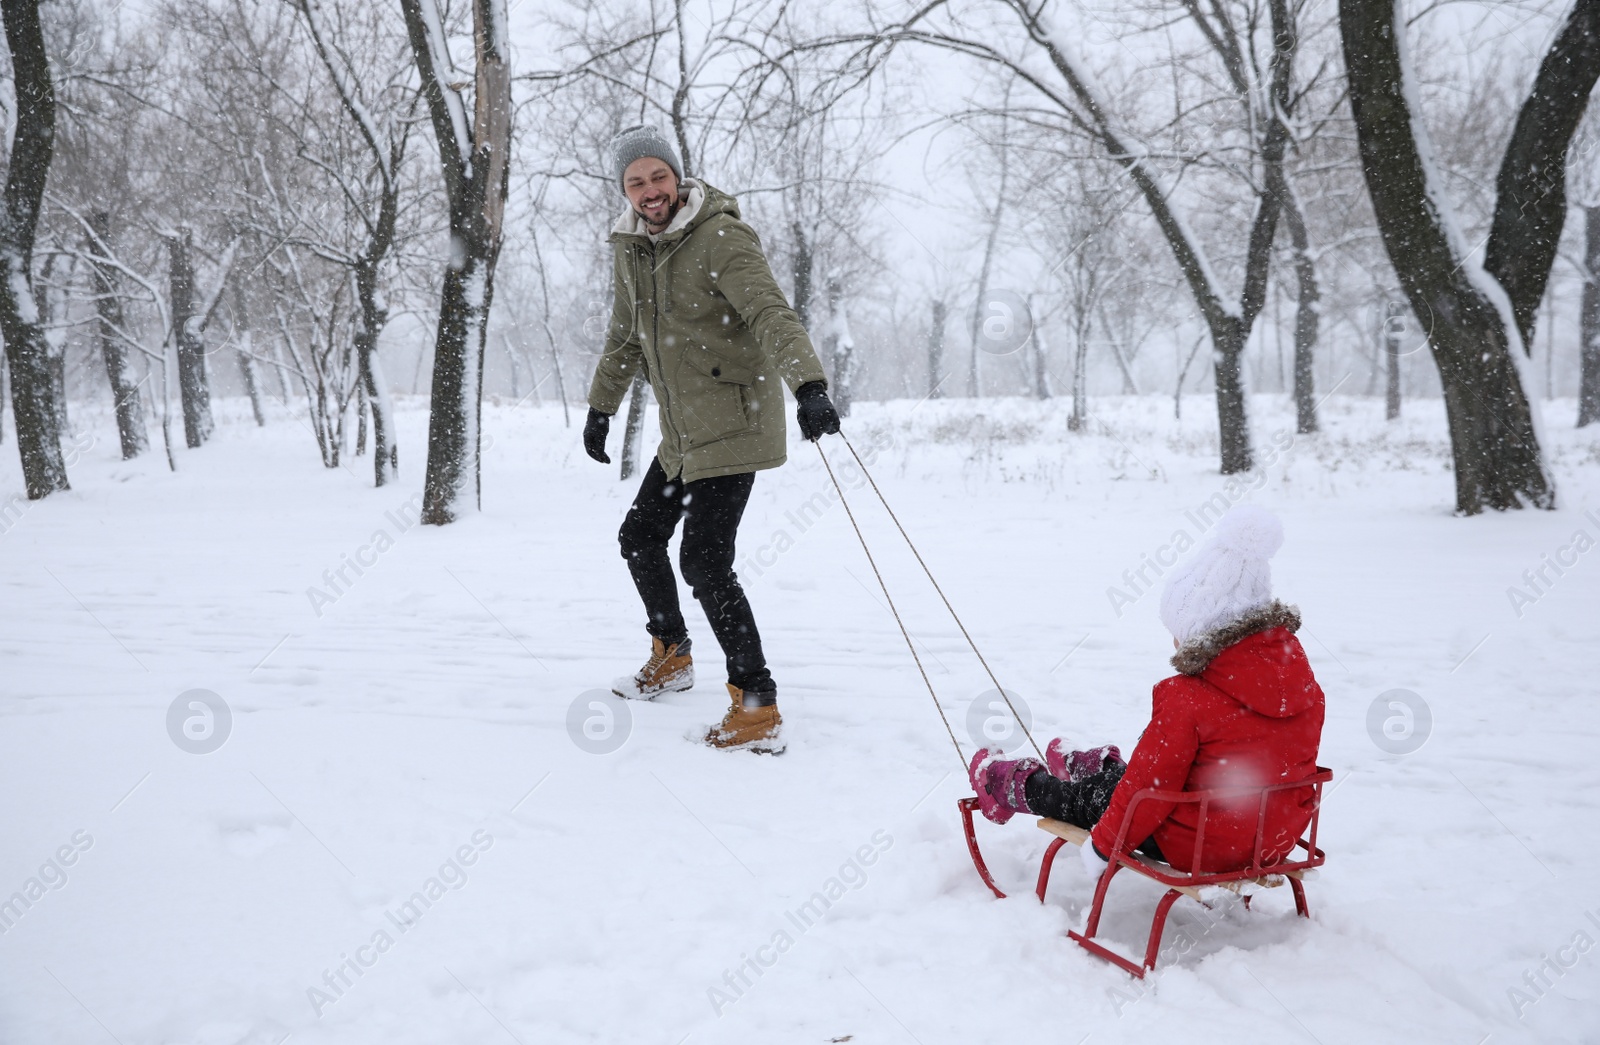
(710, 510)
(1081, 804)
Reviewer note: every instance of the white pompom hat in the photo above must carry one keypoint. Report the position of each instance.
(1226, 578)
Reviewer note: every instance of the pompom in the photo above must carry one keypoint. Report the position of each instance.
(1250, 531)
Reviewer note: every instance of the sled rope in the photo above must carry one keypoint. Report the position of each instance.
(909, 644)
(954, 616)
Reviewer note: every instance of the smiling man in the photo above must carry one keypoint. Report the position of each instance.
(695, 304)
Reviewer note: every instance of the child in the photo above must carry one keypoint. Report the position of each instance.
(1244, 711)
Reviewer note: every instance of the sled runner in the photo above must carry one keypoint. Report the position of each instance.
(1178, 883)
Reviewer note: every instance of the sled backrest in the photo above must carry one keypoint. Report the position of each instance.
(1233, 797)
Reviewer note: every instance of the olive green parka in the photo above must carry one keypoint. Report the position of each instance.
(700, 311)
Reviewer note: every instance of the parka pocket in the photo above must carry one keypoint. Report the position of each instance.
(715, 396)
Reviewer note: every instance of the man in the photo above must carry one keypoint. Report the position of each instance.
(695, 304)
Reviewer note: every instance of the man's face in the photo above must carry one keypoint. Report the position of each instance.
(652, 188)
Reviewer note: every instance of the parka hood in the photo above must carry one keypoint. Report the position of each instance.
(1256, 660)
(700, 201)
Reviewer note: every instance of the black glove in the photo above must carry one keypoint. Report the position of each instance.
(815, 413)
(595, 430)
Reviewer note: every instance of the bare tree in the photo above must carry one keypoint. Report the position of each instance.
(474, 158)
(811, 133)
(1308, 313)
(385, 145)
(1086, 232)
(193, 387)
(124, 389)
(44, 471)
(146, 290)
(840, 344)
(1471, 312)
(314, 325)
(1075, 97)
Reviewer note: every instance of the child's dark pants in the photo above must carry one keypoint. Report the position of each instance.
(1081, 803)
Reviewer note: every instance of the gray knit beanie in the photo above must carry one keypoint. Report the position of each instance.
(632, 143)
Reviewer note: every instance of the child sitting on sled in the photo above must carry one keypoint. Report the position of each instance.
(1244, 711)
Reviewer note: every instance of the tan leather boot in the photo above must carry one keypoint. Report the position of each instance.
(670, 669)
(758, 729)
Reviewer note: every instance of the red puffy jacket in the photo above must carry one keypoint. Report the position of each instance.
(1252, 717)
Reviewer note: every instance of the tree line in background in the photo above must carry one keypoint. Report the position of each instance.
(296, 198)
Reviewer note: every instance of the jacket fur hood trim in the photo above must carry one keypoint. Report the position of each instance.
(1194, 656)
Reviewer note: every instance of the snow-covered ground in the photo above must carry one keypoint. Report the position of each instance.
(425, 727)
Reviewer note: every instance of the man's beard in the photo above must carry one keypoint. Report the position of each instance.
(672, 212)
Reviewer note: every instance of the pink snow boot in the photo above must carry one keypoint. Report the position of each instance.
(1074, 766)
(999, 785)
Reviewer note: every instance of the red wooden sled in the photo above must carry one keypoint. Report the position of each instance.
(1178, 883)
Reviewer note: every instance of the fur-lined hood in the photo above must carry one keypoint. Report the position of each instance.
(1194, 656)
(1255, 663)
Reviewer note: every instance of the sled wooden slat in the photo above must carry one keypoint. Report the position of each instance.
(1061, 829)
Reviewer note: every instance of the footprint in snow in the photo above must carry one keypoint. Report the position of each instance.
(253, 837)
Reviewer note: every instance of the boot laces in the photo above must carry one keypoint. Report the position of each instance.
(654, 664)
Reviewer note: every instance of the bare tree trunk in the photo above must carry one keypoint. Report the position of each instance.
(52, 311)
(33, 140)
(192, 385)
(374, 391)
(801, 264)
(1078, 420)
(1233, 421)
(474, 157)
(1498, 463)
(108, 307)
(1589, 323)
(841, 348)
(633, 430)
(1307, 315)
(453, 482)
(940, 316)
(244, 354)
(1041, 352)
(1394, 325)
